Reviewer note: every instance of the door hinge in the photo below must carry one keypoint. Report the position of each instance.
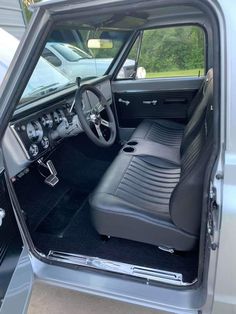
(213, 213)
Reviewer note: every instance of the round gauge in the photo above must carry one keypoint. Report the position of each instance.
(56, 117)
(33, 150)
(34, 131)
(45, 142)
(47, 121)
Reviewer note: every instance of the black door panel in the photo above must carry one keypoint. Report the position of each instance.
(134, 107)
(153, 99)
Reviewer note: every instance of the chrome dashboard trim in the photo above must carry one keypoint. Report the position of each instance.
(27, 117)
(12, 127)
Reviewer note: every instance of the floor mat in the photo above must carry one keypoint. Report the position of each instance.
(62, 213)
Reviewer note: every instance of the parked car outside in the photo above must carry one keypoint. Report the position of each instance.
(75, 62)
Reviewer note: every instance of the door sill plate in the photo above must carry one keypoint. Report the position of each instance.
(150, 274)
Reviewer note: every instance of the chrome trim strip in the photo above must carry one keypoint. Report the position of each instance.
(121, 268)
(12, 127)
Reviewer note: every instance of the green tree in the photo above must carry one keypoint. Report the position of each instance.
(173, 48)
(25, 6)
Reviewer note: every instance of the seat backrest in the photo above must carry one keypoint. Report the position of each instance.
(186, 199)
(198, 115)
(199, 95)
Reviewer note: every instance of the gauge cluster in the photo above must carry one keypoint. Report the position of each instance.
(35, 131)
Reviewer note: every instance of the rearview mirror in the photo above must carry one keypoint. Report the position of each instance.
(100, 44)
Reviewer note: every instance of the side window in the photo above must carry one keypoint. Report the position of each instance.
(170, 52)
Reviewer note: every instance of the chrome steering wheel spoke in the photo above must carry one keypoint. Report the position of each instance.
(106, 123)
(99, 132)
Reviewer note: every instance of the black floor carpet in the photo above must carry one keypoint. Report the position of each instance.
(80, 237)
(59, 217)
(62, 214)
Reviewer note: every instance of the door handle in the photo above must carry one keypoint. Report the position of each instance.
(2, 215)
(126, 102)
(150, 102)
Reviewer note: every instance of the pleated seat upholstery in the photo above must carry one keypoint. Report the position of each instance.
(160, 131)
(148, 186)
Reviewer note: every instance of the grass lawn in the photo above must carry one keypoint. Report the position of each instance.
(193, 72)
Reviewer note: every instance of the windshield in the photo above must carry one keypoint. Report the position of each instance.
(3, 70)
(8, 46)
(72, 53)
(44, 80)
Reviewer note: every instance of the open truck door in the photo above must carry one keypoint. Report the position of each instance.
(16, 275)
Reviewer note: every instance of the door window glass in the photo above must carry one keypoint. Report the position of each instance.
(171, 52)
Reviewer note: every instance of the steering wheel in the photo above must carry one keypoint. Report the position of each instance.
(94, 125)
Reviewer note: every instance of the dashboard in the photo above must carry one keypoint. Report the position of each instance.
(41, 131)
(38, 128)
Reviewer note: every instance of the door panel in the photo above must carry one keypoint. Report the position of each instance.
(153, 99)
(10, 240)
(10, 250)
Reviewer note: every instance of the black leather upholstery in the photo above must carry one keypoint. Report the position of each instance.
(154, 194)
(132, 202)
(160, 131)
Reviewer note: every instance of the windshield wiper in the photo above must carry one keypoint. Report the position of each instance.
(85, 58)
(45, 89)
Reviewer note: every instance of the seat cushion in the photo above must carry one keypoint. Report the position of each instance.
(134, 195)
(160, 131)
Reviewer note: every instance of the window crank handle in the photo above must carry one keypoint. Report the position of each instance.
(126, 102)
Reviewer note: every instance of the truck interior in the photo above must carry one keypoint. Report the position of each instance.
(130, 192)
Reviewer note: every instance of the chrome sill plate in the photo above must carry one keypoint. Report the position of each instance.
(150, 274)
